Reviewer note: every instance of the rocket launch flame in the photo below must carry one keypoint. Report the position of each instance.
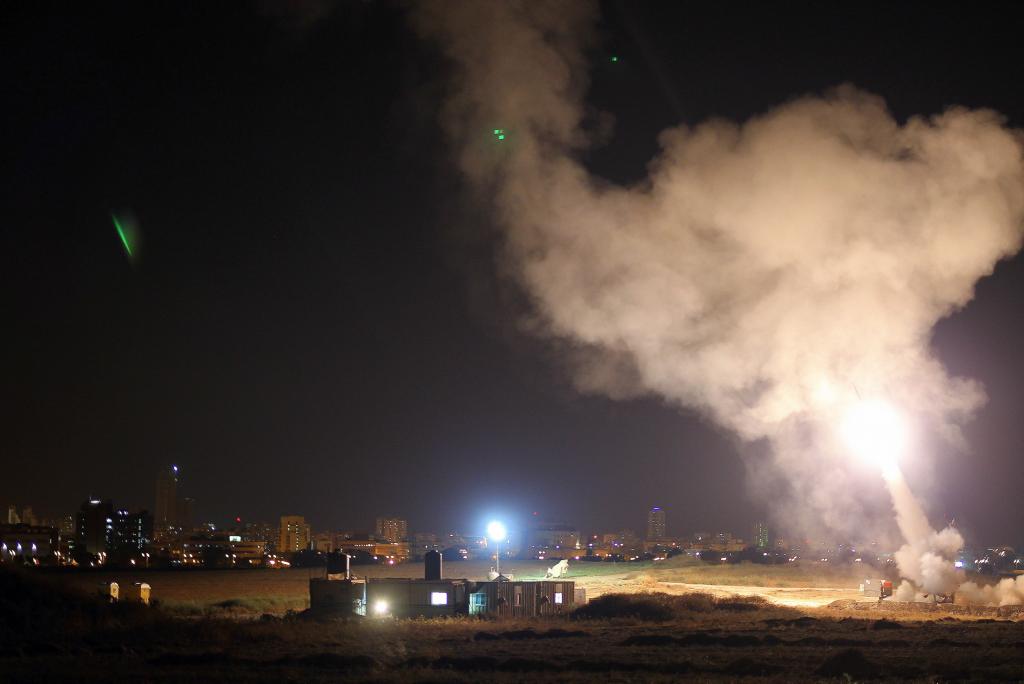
(875, 432)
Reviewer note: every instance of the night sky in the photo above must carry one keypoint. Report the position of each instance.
(315, 323)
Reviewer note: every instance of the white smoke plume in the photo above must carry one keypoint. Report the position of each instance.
(765, 273)
(1009, 591)
(926, 559)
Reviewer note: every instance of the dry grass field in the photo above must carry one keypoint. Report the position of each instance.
(237, 593)
(48, 633)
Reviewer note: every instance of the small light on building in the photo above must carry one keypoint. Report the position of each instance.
(438, 598)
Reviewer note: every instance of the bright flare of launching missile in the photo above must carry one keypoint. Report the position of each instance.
(875, 432)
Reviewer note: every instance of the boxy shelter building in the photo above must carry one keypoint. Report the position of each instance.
(404, 597)
(522, 599)
(337, 592)
(342, 596)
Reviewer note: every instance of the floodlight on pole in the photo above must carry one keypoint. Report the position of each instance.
(496, 532)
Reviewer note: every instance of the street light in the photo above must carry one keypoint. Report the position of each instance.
(497, 533)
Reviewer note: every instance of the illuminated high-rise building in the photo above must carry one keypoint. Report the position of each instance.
(262, 532)
(656, 523)
(102, 529)
(762, 538)
(131, 532)
(294, 535)
(165, 512)
(94, 527)
(67, 527)
(392, 529)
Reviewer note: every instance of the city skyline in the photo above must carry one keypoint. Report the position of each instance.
(295, 533)
(172, 513)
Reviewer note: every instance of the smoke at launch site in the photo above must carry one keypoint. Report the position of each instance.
(766, 273)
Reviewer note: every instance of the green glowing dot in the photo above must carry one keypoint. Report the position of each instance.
(615, 58)
(497, 131)
(501, 137)
(121, 234)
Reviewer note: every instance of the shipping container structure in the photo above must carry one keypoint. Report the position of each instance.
(522, 599)
(404, 597)
(332, 594)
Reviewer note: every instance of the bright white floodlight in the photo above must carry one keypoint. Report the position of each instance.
(496, 531)
(876, 433)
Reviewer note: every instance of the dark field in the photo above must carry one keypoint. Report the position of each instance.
(241, 593)
(48, 634)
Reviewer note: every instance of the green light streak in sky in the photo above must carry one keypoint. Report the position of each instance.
(124, 238)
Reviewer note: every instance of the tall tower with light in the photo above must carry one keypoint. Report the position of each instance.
(165, 512)
(656, 527)
(497, 533)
